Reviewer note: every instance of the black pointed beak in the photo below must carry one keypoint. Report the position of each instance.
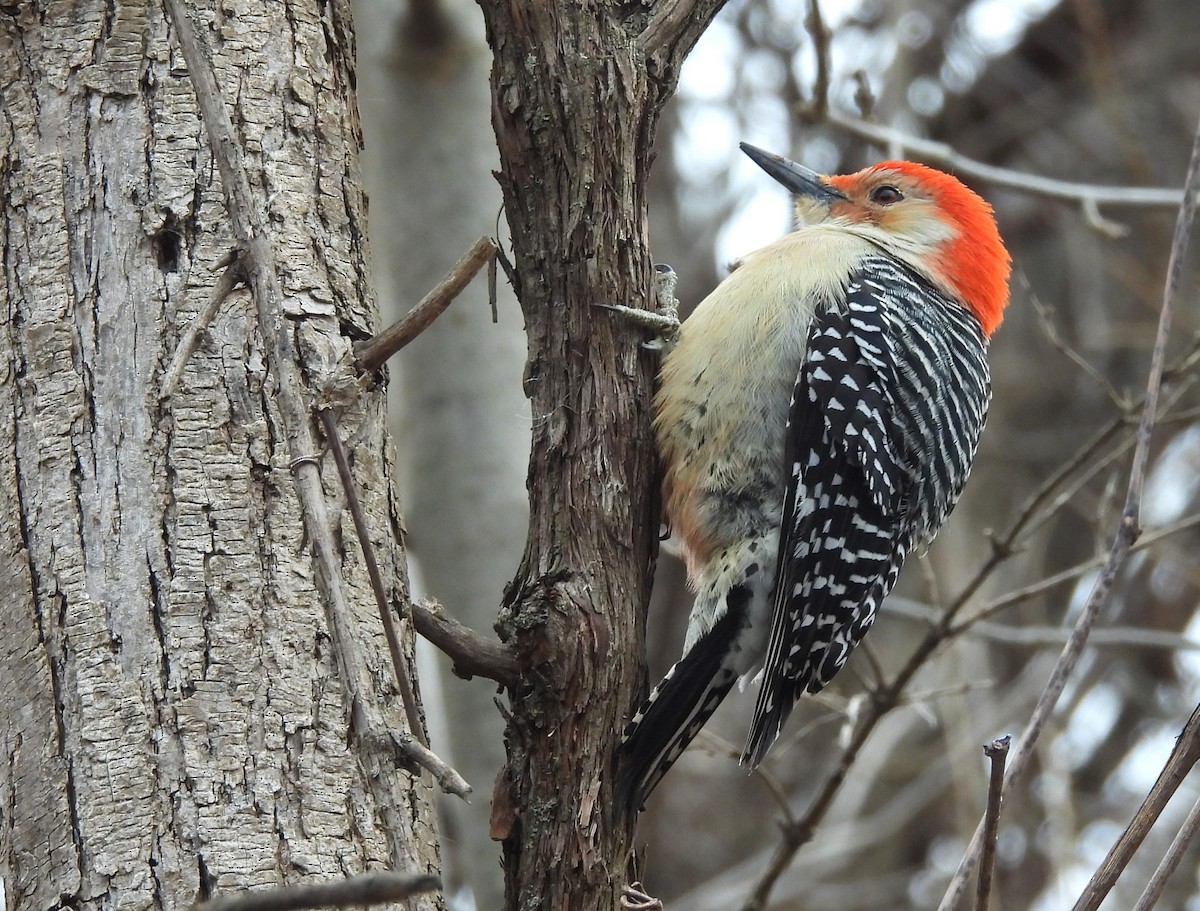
(797, 178)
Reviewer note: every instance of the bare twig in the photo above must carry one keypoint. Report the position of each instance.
(232, 274)
(719, 746)
(1055, 492)
(873, 663)
(997, 753)
(1036, 636)
(1051, 332)
(406, 747)
(816, 28)
(373, 353)
(1016, 596)
(1128, 529)
(364, 889)
(1181, 761)
(864, 98)
(1183, 838)
(946, 156)
(775, 786)
(399, 661)
(797, 834)
(474, 655)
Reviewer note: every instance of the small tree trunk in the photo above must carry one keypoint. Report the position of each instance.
(577, 89)
(174, 720)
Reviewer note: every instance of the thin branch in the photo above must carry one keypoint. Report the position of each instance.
(1045, 636)
(878, 680)
(1174, 385)
(819, 31)
(364, 889)
(1179, 245)
(373, 353)
(775, 786)
(1128, 529)
(941, 154)
(997, 753)
(1060, 345)
(719, 746)
(929, 575)
(473, 654)
(1094, 219)
(231, 276)
(864, 98)
(399, 661)
(1183, 838)
(1047, 500)
(798, 834)
(1183, 758)
(405, 746)
(1016, 596)
(1089, 196)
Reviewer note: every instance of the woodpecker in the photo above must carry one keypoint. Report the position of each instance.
(816, 419)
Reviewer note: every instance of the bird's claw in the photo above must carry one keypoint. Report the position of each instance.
(663, 322)
(635, 898)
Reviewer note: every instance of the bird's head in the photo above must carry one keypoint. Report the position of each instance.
(925, 217)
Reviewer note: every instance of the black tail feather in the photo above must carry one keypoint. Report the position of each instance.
(679, 706)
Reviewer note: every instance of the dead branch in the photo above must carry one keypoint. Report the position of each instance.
(373, 353)
(819, 31)
(407, 749)
(364, 889)
(232, 274)
(473, 654)
(939, 153)
(1016, 596)
(997, 753)
(1043, 636)
(399, 662)
(1181, 761)
(1183, 838)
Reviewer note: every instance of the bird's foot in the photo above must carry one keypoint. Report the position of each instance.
(663, 322)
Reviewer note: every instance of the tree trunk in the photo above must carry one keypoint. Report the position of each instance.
(577, 89)
(174, 720)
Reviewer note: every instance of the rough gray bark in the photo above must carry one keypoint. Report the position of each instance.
(174, 722)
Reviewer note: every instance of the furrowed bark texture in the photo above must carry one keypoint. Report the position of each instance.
(576, 100)
(172, 719)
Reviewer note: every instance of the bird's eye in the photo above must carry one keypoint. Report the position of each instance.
(886, 195)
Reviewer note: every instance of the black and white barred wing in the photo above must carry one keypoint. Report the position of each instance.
(878, 446)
